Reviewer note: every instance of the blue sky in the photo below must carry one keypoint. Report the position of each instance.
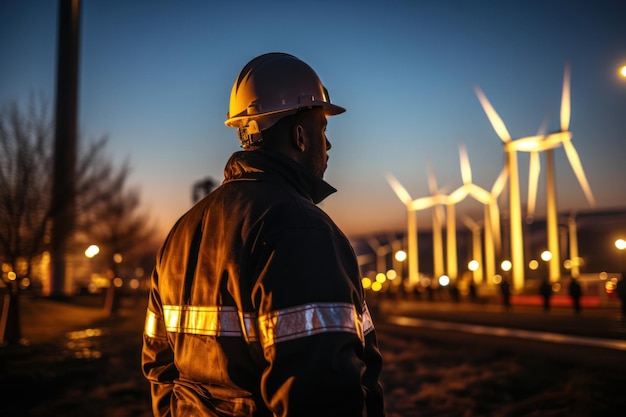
(155, 77)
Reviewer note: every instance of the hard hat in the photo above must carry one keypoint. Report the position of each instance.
(270, 87)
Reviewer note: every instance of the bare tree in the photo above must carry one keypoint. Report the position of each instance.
(25, 181)
(107, 210)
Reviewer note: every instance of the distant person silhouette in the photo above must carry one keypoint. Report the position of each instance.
(545, 289)
(472, 291)
(455, 293)
(575, 292)
(621, 294)
(505, 290)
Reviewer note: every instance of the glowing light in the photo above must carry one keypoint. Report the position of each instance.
(92, 251)
(533, 264)
(473, 265)
(444, 280)
(506, 265)
(366, 282)
(609, 287)
(400, 256)
(620, 244)
(84, 334)
(380, 277)
(622, 71)
(392, 274)
(376, 286)
(117, 282)
(546, 255)
(12, 276)
(117, 258)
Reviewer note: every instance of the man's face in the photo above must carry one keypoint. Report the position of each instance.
(315, 157)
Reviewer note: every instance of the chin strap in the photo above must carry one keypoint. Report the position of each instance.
(250, 135)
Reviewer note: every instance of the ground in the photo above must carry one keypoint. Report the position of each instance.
(81, 362)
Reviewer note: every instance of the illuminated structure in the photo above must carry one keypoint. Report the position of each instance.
(489, 199)
(381, 252)
(438, 219)
(547, 144)
(412, 206)
(535, 145)
(437, 200)
(515, 210)
(477, 253)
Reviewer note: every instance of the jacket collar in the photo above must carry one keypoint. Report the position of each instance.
(260, 164)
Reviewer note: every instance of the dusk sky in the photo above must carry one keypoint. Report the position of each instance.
(155, 77)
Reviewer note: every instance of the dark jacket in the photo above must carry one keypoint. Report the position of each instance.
(256, 306)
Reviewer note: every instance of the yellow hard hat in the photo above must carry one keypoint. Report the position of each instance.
(270, 87)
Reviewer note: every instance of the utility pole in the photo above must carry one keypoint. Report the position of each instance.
(65, 144)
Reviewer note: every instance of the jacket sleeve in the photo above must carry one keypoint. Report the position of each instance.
(311, 323)
(371, 378)
(157, 357)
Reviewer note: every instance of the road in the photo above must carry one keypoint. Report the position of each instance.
(596, 336)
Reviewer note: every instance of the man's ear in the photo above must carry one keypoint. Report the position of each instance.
(299, 137)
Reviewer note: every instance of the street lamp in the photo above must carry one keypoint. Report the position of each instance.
(92, 251)
(506, 265)
(400, 256)
(546, 255)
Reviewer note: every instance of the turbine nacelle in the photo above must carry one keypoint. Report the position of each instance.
(537, 143)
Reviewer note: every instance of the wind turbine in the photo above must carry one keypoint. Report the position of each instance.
(547, 144)
(412, 206)
(438, 218)
(511, 147)
(477, 253)
(489, 199)
(381, 252)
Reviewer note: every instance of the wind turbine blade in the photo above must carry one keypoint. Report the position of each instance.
(466, 169)
(543, 128)
(533, 179)
(400, 191)
(469, 222)
(364, 258)
(481, 195)
(565, 100)
(424, 202)
(374, 243)
(500, 183)
(432, 179)
(457, 195)
(574, 161)
(496, 121)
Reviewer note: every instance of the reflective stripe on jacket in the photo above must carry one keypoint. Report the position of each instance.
(277, 326)
(256, 305)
